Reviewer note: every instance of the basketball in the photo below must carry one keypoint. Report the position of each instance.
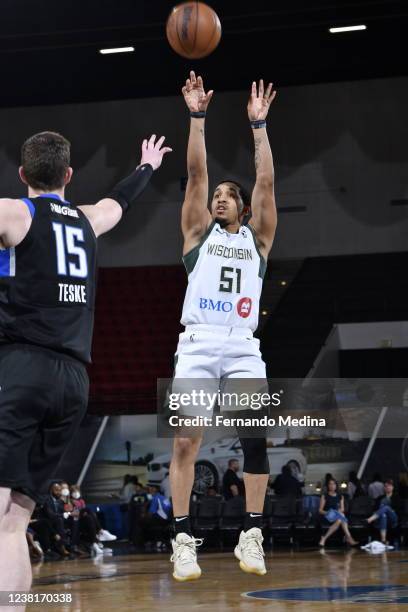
(193, 30)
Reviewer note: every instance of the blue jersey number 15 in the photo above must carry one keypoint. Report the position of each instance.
(71, 258)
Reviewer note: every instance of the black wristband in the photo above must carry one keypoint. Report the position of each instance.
(258, 123)
(127, 190)
(198, 114)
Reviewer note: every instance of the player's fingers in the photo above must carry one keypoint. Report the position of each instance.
(166, 150)
(253, 90)
(159, 142)
(144, 145)
(184, 90)
(209, 95)
(188, 85)
(261, 88)
(192, 76)
(272, 97)
(200, 82)
(151, 141)
(268, 90)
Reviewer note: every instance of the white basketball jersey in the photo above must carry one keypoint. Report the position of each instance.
(225, 274)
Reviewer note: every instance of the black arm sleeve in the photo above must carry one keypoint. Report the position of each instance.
(127, 190)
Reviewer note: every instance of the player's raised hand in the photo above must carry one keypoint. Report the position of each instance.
(194, 94)
(260, 101)
(152, 152)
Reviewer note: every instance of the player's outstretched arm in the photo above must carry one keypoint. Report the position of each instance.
(104, 215)
(195, 216)
(264, 217)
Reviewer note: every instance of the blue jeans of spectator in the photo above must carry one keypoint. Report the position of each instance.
(385, 514)
(334, 515)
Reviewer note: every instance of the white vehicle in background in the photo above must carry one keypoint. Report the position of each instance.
(212, 462)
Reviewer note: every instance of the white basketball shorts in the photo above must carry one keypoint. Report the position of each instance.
(218, 354)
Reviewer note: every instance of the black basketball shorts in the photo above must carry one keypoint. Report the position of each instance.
(43, 398)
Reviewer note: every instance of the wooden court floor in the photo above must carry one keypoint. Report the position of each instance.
(144, 583)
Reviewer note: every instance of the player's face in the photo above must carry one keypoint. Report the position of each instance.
(226, 204)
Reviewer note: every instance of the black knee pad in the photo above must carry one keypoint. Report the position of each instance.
(255, 456)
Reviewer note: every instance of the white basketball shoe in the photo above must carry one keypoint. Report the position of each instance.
(106, 536)
(249, 552)
(184, 557)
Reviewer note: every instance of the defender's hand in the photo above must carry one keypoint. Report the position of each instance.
(259, 102)
(152, 153)
(194, 94)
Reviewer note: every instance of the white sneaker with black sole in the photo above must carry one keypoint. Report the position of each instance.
(249, 552)
(184, 557)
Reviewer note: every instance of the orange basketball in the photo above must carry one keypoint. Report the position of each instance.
(193, 29)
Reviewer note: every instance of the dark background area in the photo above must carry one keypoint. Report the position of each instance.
(49, 51)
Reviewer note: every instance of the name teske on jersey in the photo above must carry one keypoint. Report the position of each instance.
(72, 293)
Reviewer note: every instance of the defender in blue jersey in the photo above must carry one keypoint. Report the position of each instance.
(47, 298)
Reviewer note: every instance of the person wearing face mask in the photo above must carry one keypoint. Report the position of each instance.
(65, 496)
(71, 519)
(90, 528)
(77, 501)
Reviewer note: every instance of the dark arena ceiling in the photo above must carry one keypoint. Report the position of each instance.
(49, 51)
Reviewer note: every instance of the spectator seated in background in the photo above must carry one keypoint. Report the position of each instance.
(89, 527)
(53, 510)
(354, 486)
(388, 507)
(376, 487)
(45, 539)
(154, 522)
(286, 485)
(65, 497)
(232, 485)
(71, 520)
(129, 488)
(332, 510)
(329, 476)
(78, 502)
(141, 493)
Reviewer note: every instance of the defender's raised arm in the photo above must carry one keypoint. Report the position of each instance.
(264, 217)
(104, 215)
(195, 216)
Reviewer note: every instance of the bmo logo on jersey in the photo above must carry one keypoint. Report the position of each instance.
(244, 307)
(218, 306)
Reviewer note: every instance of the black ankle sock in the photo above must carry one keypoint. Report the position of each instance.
(252, 519)
(181, 524)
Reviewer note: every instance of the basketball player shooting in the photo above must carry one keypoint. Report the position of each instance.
(47, 297)
(226, 261)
